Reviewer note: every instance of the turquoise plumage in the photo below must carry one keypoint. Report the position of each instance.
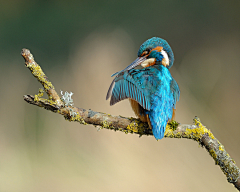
(152, 91)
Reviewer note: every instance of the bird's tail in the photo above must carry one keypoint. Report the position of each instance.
(158, 124)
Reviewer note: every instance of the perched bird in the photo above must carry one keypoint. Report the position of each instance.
(152, 91)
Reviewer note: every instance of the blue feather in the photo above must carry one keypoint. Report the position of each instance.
(162, 103)
(153, 87)
(154, 42)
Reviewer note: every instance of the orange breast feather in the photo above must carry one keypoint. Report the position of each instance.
(144, 117)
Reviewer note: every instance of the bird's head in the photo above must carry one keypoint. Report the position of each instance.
(154, 51)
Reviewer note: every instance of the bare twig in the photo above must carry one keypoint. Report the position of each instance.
(197, 131)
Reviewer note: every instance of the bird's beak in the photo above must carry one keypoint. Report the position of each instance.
(134, 64)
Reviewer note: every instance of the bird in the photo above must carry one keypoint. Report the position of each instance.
(152, 91)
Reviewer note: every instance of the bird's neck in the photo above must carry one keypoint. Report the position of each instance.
(164, 76)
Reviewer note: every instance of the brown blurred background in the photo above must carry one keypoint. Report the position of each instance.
(79, 44)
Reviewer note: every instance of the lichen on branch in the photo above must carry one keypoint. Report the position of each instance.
(65, 107)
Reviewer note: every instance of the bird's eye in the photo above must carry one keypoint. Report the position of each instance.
(145, 53)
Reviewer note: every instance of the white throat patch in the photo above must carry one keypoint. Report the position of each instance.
(165, 56)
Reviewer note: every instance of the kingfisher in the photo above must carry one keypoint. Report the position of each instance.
(152, 91)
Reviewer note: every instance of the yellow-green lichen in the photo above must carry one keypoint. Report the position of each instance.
(221, 148)
(226, 164)
(76, 117)
(137, 126)
(38, 73)
(39, 95)
(105, 124)
(178, 135)
(133, 127)
(108, 125)
(169, 132)
(173, 125)
(51, 102)
(214, 155)
(199, 131)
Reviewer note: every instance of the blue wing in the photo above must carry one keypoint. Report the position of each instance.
(163, 102)
(135, 84)
(153, 88)
(175, 90)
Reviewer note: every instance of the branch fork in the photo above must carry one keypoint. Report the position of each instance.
(64, 106)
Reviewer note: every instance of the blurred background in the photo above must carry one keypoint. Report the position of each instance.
(79, 44)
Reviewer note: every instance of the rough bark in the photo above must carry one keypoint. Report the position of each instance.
(64, 106)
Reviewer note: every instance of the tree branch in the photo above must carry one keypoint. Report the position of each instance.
(64, 106)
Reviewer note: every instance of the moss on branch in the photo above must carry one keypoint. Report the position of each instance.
(64, 106)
